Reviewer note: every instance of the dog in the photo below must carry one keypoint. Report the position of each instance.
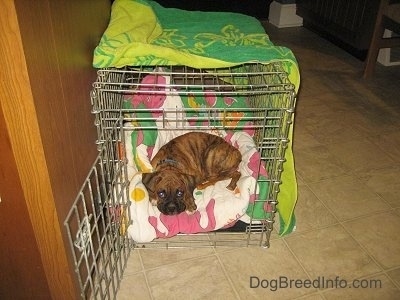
(192, 160)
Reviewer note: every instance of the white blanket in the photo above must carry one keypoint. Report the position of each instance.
(217, 207)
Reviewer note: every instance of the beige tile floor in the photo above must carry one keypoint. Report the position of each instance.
(347, 154)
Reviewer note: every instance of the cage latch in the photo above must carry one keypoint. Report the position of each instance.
(83, 235)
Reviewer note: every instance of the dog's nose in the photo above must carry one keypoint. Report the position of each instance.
(171, 208)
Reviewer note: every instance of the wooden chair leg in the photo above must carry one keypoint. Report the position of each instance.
(373, 51)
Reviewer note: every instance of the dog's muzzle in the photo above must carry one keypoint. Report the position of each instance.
(171, 208)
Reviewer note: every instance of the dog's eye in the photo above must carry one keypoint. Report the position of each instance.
(162, 194)
(179, 193)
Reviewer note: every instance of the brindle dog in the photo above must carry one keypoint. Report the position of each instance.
(193, 160)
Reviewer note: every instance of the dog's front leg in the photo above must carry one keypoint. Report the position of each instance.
(235, 179)
(190, 206)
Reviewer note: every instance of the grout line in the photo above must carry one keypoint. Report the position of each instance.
(322, 291)
(145, 276)
(323, 204)
(296, 233)
(384, 272)
(296, 258)
(390, 208)
(343, 222)
(178, 261)
(358, 243)
(227, 277)
(318, 291)
(397, 284)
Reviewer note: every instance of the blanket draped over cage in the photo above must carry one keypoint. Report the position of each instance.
(143, 33)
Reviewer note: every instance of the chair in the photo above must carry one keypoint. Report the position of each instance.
(388, 18)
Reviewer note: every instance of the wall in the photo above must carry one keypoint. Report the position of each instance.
(349, 26)
(58, 39)
(48, 140)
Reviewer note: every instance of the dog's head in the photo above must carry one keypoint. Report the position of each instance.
(171, 190)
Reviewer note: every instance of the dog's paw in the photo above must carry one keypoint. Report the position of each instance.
(231, 187)
(203, 185)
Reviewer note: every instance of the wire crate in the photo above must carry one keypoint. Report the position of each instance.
(270, 100)
(98, 223)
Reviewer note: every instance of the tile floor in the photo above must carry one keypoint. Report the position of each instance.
(347, 154)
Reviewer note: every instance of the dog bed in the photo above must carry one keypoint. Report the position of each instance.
(217, 207)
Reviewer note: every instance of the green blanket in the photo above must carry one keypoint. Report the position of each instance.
(143, 33)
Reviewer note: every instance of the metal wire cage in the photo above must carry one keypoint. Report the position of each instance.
(97, 222)
(96, 225)
(270, 99)
(271, 95)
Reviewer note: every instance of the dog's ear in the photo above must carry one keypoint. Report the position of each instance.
(149, 180)
(190, 182)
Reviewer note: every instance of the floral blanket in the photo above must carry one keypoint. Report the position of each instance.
(217, 207)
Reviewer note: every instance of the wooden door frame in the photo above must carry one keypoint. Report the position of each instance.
(25, 141)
